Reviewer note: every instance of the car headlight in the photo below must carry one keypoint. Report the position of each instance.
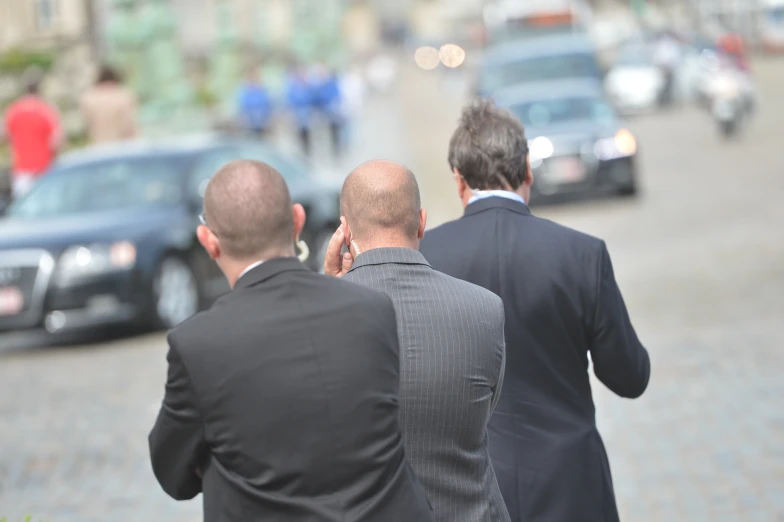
(89, 260)
(726, 87)
(621, 145)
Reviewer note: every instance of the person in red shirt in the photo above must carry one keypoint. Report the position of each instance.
(732, 45)
(32, 128)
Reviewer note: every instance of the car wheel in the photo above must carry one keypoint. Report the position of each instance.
(175, 292)
(628, 190)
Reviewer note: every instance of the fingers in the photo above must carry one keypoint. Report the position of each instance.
(348, 262)
(332, 258)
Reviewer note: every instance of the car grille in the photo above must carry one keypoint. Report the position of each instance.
(28, 271)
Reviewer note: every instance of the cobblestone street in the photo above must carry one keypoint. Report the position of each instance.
(699, 257)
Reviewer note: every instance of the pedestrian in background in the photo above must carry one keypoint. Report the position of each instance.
(34, 133)
(353, 90)
(281, 401)
(109, 109)
(255, 106)
(329, 102)
(300, 98)
(562, 303)
(451, 341)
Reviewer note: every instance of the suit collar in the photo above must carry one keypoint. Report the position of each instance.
(268, 269)
(494, 202)
(384, 256)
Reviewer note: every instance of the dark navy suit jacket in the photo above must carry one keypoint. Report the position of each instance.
(561, 303)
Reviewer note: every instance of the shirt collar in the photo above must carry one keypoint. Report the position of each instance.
(383, 256)
(482, 194)
(250, 267)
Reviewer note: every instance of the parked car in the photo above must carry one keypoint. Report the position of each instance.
(577, 143)
(108, 236)
(540, 60)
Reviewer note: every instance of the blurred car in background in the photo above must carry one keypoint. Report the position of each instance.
(108, 236)
(539, 60)
(577, 143)
(516, 20)
(634, 83)
(5, 188)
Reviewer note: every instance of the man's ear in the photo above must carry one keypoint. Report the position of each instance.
(298, 217)
(462, 186)
(529, 174)
(422, 223)
(346, 229)
(209, 241)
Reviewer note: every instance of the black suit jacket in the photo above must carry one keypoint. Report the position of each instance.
(285, 395)
(561, 303)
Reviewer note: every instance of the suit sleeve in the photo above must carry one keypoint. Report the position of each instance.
(500, 350)
(177, 446)
(620, 361)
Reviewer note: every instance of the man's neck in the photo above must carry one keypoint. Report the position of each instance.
(468, 194)
(366, 245)
(234, 270)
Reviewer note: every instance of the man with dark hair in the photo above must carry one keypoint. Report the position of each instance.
(451, 341)
(109, 109)
(282, 400)
(562, 303)
(32, 128)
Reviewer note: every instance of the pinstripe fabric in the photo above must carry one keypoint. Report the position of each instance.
(452, 359)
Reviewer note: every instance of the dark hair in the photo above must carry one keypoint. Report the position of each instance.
(489, 148)
(108, 74)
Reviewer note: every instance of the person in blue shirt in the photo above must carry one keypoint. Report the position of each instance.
(255, 106)
(329, 102)
(300, 100)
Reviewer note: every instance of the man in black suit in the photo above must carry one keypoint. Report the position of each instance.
(282, 400)
(561, 303)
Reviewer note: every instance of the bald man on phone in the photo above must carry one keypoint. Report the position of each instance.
(451, 341)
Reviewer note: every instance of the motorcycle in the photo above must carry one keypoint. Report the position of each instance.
(729, 105)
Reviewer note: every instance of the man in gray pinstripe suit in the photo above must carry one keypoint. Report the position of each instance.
(451, 336)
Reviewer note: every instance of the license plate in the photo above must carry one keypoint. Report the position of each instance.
(11, 301)
(565, 170)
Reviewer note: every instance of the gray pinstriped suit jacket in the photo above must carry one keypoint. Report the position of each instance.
(452, 360)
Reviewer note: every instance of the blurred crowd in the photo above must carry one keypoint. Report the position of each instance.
(312, 97)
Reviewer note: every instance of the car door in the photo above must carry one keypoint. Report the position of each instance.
(214, 283)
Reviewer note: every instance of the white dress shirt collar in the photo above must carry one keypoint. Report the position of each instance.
(482, 194)
(250, 267)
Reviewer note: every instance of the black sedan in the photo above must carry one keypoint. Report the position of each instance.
(577, 143)
(108, 236)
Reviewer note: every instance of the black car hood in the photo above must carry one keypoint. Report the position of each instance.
(58, 232)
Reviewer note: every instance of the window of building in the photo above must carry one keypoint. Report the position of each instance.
(46, 13)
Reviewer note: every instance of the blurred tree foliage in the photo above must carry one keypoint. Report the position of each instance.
(17, 61)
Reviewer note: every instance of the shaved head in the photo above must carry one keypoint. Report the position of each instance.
(381, 198)
(247, 206)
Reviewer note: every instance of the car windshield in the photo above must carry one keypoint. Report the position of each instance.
(121, 184)
(776, 15)
(542, 68)
(638, 54)
(521, 32)
(561, 110)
